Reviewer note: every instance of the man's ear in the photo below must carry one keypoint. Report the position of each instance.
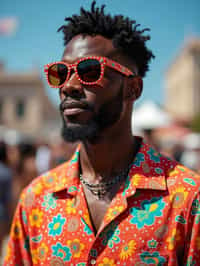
(134, 88)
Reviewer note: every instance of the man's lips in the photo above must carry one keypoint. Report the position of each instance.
(74, 108)
(73, 111)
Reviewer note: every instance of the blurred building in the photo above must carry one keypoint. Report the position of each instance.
(24, 105)
(182, 82)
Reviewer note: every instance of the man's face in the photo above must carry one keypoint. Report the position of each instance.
(87, 110)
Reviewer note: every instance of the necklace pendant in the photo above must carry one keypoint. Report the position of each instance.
(101, 189)
(99, 195)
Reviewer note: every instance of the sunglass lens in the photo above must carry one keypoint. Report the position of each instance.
(57, 74)
(89, 70)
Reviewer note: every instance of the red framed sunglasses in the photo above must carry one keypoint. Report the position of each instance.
(89, 70)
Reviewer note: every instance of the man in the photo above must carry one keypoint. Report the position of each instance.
(117, 201)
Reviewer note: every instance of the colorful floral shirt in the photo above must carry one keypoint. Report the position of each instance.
(154, 219)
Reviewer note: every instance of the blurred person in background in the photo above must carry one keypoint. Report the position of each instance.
(191, 154)
(13, 156)
(61, 152)
(177, 151)
(26, 169)
(43, 155)
(117, 200)
(5, 193)
(149, 136)
(50, 155)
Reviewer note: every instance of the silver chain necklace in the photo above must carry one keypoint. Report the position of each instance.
(102, 188)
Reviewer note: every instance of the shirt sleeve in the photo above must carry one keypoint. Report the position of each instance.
(192, 247)
(18, 251)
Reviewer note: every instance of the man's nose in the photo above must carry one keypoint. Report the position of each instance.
(72, 87)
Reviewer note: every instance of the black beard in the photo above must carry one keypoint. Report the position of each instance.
(108, 114)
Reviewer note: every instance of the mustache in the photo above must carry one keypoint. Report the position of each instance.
(70, 103)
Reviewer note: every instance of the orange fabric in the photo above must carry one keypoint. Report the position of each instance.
(153, 220)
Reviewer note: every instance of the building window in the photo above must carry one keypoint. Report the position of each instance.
(20, 108)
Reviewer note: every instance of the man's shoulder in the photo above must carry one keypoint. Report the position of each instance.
(56, 180)
(179, 177)
(46, 182)
(158, 164)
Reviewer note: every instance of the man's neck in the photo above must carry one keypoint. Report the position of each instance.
(102, 160)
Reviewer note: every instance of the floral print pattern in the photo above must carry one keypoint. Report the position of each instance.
(178, 196)
(36, 218)
(152, 243)
(107, 262)
(70, 208)
(139, 159)
(154, 216)
(112, 212)
(147, 213)
(40, 253)
(61, 251)
(154, 156)
(76, 247)
(127, 250)
(49, 202)
(55, 227)
(152, 258)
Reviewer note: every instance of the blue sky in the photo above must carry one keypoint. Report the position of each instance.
(36, 42)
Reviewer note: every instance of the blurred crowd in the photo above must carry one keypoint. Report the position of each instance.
(23, 161)
(19, 164)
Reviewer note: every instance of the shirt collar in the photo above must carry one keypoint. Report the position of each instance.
(66, 176)
(147, 172)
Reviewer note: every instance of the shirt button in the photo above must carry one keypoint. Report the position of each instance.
(93, 261)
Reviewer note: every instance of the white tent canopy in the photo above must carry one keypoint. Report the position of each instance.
(149, 116)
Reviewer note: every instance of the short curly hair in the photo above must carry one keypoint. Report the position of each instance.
(121, 30)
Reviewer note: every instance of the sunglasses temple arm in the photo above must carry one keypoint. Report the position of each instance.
(118, 67)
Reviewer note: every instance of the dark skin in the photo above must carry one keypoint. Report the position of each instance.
(101, 160)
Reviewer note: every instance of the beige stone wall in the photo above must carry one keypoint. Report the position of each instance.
(182, 85)
(39, 112)
(31, 120)
(197, 81)
(179, 88)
